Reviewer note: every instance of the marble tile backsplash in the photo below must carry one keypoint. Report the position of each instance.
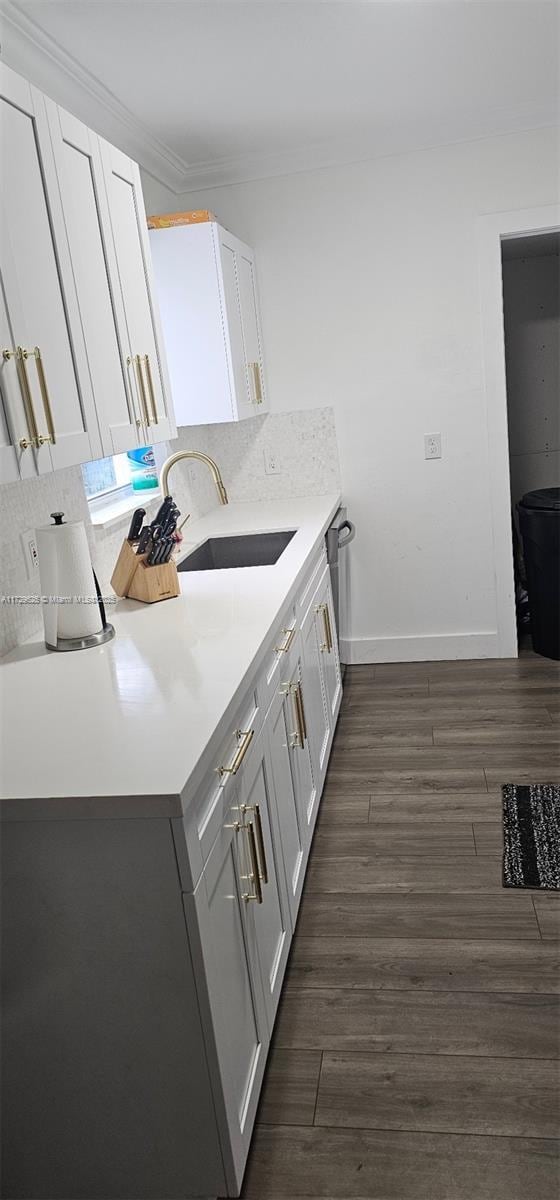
(305, 448)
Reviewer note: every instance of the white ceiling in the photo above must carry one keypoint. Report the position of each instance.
(217, 91)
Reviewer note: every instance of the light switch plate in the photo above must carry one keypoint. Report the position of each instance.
(432, 445)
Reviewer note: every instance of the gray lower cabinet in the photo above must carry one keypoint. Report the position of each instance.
(143, 959)
(106, 1090)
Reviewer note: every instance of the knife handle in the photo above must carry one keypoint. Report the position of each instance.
(145, 538)
(136, 524)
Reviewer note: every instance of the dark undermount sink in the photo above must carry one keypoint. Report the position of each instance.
(243, 550)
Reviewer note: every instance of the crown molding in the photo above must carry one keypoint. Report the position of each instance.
(344, 152)
(28, 49)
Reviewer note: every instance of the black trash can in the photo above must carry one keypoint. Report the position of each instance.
(539, 520)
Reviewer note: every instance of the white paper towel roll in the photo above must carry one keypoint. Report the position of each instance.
(67, 579)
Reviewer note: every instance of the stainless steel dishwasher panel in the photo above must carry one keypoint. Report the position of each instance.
(339, 534)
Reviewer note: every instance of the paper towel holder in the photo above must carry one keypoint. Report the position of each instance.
(104, 634)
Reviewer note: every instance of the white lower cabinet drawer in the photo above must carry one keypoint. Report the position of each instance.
(275, 665)
(197, 831)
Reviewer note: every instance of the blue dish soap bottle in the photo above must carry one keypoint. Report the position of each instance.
(143, 471)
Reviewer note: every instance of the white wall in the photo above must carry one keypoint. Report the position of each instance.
(370, 298)
(532, 329)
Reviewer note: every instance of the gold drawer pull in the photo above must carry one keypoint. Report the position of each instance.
(255, 368)
(254, 876)
(263, 869)
(151, 392)
(244, 737)
(290, 635)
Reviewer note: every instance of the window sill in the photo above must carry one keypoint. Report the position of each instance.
(107, 512)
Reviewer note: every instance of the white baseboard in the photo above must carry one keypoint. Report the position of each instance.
(430, 648)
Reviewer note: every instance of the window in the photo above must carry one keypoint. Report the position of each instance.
(106, 475)
(115, 485)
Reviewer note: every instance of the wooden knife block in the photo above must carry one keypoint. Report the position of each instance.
(133, 578)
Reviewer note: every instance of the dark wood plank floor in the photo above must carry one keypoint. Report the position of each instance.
(416, 1047)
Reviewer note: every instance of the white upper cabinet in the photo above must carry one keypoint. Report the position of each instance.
(82, 366)
(146, 357)
(207, 294)
(53, 422)
(86, 213)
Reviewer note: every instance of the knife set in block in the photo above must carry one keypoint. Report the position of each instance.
(133, 577)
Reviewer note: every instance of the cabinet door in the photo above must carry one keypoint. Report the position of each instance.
(189, 290)
(292, 824)
(235, 344)
(328, 646)
(39, 287)
(245, 266)
(316, 707)
(143, 333)
(268, 921)
(80, 180)
(230, 989)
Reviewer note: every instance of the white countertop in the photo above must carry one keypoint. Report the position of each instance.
(136, 719)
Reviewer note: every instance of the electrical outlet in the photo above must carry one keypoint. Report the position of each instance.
(271, 463)
(29, 544)
(432, 445)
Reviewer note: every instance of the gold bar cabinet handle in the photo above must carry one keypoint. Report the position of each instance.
(24, 443)
(257, 385)
(151, 392)
(254, 876)
(135, 361)
(327, 644)
(45, 398)
(328, 626)
(290, 635)
(301, 714)
(21, 361)
(263, 869)
(298, 735)
(244, 737)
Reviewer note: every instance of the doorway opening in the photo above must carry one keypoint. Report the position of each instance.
(531, 307)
